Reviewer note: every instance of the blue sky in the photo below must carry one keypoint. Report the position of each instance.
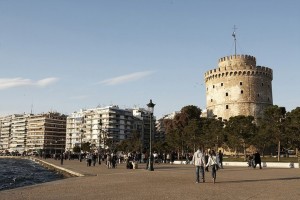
(64, 55)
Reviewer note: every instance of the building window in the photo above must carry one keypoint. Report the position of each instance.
(221, 84)
(226, 94)
(262, 84)
(242, 91)
(227, 106)
(241, 83)
(211, 100)
(213, 86)
(258, 95)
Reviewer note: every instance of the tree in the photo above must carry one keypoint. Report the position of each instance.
(181, 129)
(131, 144)
(76, 149)
(211, 133)
(240, 132)
(86, 146)
(262, 140)
(273, 124)
(293, 128)
(160, 146)
(192, 132)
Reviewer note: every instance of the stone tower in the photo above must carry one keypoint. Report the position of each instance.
(238, 87)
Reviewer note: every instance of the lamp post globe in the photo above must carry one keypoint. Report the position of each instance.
(150, 162)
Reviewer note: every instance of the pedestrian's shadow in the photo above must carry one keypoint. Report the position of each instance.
(175, 167)
(262, 180)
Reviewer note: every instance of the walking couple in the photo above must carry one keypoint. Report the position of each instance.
(199, 162)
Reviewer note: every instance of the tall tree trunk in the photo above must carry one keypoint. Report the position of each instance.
(235, 152)
(263, 150)
(245, 152)
(278, 153)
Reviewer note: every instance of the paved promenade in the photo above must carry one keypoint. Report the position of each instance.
(166, 182)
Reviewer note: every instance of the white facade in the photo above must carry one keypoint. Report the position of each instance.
(18, 133)
(101, 127)
(5, 126)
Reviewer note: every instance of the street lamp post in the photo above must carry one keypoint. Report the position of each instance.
(150, 162)
(99, 149)
(81, 134)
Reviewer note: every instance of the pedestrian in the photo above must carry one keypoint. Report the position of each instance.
(62, 159)
(94, 159)
(172, 158)
(108, 160)
(199, 162)
(99, 158)
(168, 158)
(213, 163)
(206, 159)
(250, 160)
(220, 159)
(88, 160)
(257, 160)
(113, 160)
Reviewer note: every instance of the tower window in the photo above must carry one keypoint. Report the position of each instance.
(207, 89)
(262, 84)
(211, 100)
(221, 84)
(242, 91)
(213, 86)
(258, 95)
(241, 83)
(227, 106)
(226, 94)
(268, 99)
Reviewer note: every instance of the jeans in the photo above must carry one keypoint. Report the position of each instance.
(214, 171)
(199, 169)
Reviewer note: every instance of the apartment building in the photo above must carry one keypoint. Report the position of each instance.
(105, 127)
(142, 126)
(5, 132)
(160, 128)
(46, 133)
(18, 133)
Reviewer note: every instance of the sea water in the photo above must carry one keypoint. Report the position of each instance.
(22, 172)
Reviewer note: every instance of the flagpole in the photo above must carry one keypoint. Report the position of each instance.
(233, 34)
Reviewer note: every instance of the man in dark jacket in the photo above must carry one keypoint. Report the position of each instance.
(257, 160)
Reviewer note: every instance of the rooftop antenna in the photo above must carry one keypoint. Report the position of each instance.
(233, 35)
(31, 109)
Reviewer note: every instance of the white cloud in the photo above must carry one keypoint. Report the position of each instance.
(46, 81)
(126, 78)
(6, 83)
